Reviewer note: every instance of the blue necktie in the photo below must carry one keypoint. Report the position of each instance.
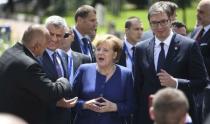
(86, 46)
(161, 58)
(133, 58)
(56, 64)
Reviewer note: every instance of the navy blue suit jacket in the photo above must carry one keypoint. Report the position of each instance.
(183, 61)
(205, 50)
(90, 84)
(122, 60)
(75, 46)
(56, 115)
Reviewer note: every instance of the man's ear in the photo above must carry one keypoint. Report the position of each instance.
(126, 30)
(152, 113)
(79, 19)
(35, 47)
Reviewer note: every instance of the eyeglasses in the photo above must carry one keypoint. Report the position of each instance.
(156, 23)
(66, 34)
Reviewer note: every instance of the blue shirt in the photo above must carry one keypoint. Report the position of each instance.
(89, 84)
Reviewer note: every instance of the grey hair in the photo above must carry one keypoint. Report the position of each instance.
(56, 21)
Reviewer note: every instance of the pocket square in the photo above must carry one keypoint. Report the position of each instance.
(203, 44)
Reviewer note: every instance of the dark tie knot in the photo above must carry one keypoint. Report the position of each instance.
(133, 48)
(85, 40)
(162, 45)
(55, 54)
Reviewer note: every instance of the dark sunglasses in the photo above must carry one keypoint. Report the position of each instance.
(66, 34)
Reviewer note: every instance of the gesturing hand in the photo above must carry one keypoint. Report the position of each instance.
(166, 79)
(67, 103)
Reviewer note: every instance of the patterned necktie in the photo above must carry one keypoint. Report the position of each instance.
(56, 64)
(161, 58)
(198, 38)
(86, 46)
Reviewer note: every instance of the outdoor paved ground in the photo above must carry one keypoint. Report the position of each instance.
(17, 28)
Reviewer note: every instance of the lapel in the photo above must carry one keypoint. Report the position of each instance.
(49, 66)
(150, 54)
(76, 43)
(76, 61)
(205, 37)
(122, 60)
(92, 52)
(172, 51)
(64, 61)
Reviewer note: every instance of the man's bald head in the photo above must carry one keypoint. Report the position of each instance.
(11, 119)
(35, 38)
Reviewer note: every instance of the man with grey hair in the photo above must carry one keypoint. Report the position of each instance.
(54, 66)
(169, 106)
(86, 24)
(166, 60)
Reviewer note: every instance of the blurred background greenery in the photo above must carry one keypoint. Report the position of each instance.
(117, 11)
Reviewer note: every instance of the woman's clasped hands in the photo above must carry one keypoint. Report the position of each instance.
(100, 105)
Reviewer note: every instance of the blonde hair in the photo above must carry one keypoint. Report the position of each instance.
(115, 42)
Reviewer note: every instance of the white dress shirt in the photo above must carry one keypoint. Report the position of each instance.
(129, 47)
(157, 50)
(50, 53)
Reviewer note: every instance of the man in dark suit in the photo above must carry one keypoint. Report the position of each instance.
(86, 24)
(54, 66)
(203, 39)
(133, 33)
(25, 89)
(166, 60)
(72, 60)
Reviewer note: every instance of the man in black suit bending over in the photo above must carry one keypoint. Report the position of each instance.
(25, 89)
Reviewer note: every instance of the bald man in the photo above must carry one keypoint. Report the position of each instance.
(25, 89)
(203, 39)
(11, 119)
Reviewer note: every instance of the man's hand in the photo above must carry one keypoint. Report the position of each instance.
(67, 103)
(166, 79)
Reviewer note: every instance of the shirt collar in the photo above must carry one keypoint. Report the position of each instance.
(69, 52)
(167, 41)
(78, 33)
(206, 28)
(50, 52)
(128, 45)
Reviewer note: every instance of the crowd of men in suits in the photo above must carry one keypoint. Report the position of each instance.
(37, 74)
